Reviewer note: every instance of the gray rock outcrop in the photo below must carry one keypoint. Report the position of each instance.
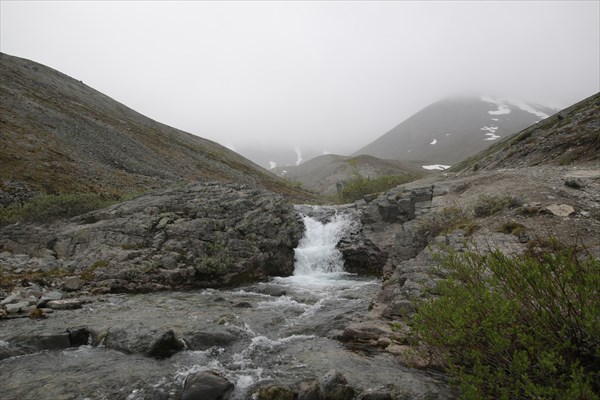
(200, 235)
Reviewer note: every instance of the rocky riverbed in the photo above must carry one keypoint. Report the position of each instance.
(271, 340)
(255, 327)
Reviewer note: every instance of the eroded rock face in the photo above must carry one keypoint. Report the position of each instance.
(201, 235)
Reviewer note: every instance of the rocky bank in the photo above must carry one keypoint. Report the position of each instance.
(194, 236)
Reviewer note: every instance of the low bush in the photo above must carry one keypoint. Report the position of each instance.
(359, 186)
(445, 221)
(487, 205)
(50, 207)
(517, 328)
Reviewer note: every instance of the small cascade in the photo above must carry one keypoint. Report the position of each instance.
(317, 253)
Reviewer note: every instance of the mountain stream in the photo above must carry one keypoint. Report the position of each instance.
(283, 331)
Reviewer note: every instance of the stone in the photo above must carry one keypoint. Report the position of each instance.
(206, 340)
(560, 210)
(275, 392)
(206, 386)
(309, 390)
(383, 342)
(72, 284)
(14, 308)
(165, 346)
(49, 296)
(575, 183)
(334, 386)
(67, 304)
(11, 299)
(375, 395)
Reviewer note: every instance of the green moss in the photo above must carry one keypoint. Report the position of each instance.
(88, 274)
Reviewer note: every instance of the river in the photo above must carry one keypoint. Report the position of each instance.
(282, 331)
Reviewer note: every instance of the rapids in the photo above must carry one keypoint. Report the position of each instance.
(283, 331)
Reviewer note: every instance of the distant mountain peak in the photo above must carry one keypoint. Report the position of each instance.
(455, 128)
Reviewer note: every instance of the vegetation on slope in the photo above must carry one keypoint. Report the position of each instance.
(517, 328)
(358, 186)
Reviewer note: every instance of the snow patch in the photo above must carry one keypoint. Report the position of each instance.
(283, 172)
(325, 152)
(434, 141)
(495, 119)
(491, 136)
(502, 107)
(438, 167)
(299, 154)
(272, 164)
(528, 108)
(491, 129)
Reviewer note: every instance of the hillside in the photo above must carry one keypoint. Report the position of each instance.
(61, 136)
(570, 136)
(453, 129)
(322, 173)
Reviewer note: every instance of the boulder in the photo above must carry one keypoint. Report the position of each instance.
(66, 304)
(165, 346)
(206, 386)
(560, 210)
(334, 386)
(309, 391)
(72, 284)
(49, 296)
(275, 392)
(206, 340)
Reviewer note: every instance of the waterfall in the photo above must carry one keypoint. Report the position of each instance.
(317, 253)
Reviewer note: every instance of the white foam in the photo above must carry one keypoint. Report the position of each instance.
(434, 141)
(438, 167)
(317, 252)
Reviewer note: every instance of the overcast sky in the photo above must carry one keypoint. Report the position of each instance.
(336, 74)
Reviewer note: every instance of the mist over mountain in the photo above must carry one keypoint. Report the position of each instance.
(452, 129)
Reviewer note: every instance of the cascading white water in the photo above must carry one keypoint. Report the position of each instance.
(317, 253)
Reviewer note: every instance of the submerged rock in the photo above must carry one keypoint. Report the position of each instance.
(206, 386)
(166, 345)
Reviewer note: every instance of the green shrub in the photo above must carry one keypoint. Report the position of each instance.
(512, 228)
(47, 208)
(50, 207)
(517, 328)
(487, 205)
(445, 221)
(359, 186)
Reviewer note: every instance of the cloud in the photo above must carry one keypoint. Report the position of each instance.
(332, 74)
